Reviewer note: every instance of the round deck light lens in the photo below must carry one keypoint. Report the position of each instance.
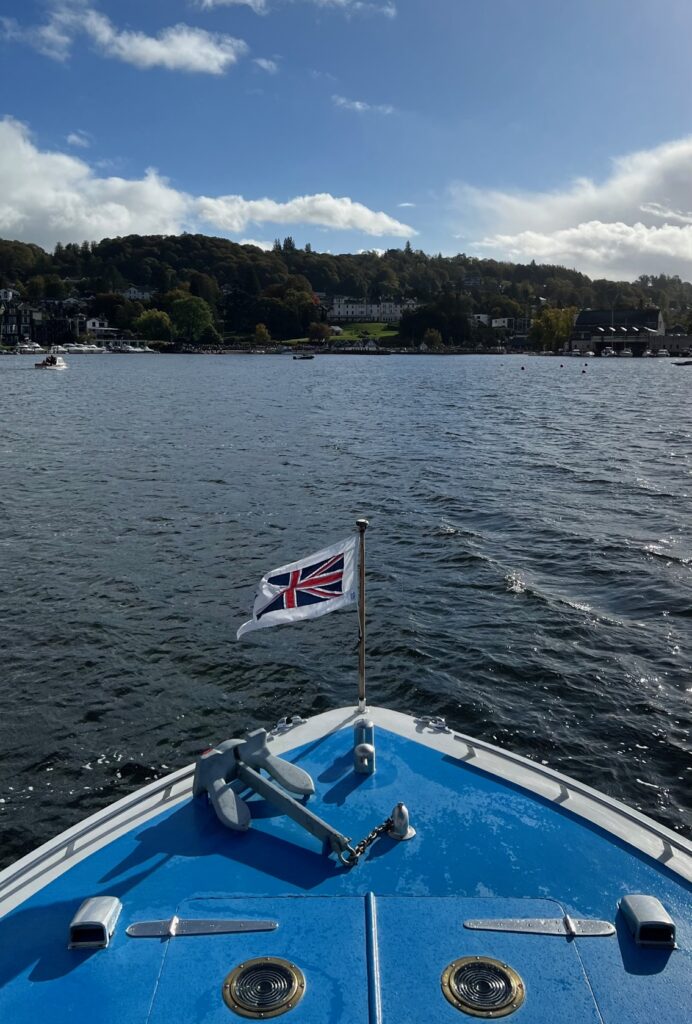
(264, 987)
(482, 987)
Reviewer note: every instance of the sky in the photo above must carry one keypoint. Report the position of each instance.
(514, 129)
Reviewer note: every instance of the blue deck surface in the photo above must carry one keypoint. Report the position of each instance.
(483, 848)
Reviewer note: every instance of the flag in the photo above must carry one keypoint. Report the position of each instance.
(320, 583)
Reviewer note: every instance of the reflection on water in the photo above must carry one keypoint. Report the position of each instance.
(529, 562)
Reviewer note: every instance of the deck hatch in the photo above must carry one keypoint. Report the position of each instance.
(482, 987)
(264, 987)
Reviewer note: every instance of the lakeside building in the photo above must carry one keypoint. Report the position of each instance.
(344, 308)
(16, 320)
(636, 329)
(516, 324)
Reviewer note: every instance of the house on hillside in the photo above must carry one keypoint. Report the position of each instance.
(134, 292)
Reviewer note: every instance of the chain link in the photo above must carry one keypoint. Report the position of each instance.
(357, 851)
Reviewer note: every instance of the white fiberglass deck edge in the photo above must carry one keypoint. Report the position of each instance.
(23, 878)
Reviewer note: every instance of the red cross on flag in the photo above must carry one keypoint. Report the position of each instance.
(317, 584)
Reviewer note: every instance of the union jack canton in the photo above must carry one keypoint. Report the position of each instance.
(320, 583)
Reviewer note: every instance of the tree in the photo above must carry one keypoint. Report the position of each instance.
(191, 317)
(432, 338)
(211, 337)
(552, 328)
(319, 332)
(262, 335)
(205, 287)
(154, 325)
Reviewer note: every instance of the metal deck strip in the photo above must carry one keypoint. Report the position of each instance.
(373, 960)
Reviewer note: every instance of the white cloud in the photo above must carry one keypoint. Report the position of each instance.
(361, 107)
(387, 9)
(270, 66)
(79, 138)
(47, 197)
(405, 205)
(233, 213)
(636, 221)
(258, 6)
(264, 246)
(178, 48)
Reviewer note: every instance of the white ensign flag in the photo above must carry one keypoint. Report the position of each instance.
(317, 584)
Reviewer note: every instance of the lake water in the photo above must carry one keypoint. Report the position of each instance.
(529, 562)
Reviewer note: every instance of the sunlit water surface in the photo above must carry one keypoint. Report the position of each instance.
(529, 562)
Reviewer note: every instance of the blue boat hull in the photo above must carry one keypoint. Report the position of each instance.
(496, 837)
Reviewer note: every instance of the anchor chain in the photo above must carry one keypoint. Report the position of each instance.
(352, 854)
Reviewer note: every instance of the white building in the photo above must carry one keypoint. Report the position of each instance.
(99, 328)
(8, 294)
(389, 311)
(482, 319)
(133, 292)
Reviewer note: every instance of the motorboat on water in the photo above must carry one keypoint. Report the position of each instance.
(51, 362)
(663, 353)
(362, 865)
(304, 355)
(626, 353)
(608, 352)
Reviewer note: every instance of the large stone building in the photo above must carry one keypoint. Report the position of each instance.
(388, 312)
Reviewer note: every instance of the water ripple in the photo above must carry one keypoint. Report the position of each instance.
(529, 563)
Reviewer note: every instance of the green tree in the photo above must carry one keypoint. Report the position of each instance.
(432, 338)
(191, 316)
(205, 287)
(262, 335)
(319, 332)
(211, 337)
(552, 328)
(154, 325)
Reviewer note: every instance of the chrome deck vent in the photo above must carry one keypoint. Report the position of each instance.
(482, 987)
(265, 987)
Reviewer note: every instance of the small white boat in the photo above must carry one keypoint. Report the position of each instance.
(589, 354)
(51, 362)
(648, 354)
(626, 353)
(663, 353)
(608, 352)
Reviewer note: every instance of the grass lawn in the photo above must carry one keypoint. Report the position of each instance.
(376, 331)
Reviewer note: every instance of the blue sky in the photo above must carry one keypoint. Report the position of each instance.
(535, 129)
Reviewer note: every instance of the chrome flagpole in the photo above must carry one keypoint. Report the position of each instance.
(362, 525)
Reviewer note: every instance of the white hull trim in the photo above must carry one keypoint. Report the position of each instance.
(34, 871)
